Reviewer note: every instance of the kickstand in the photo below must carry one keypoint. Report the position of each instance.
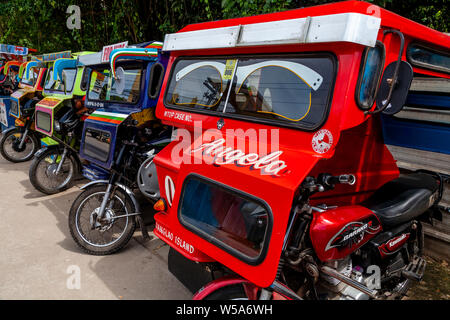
(143, 227)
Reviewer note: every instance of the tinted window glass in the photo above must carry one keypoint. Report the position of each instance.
(290, 90)
(428, 58)
(369, 77)
(236, 223)
(43, 121)
(104, 87)
(97, 144)
(197, 84)
(14, 109)
(68, 74)
(33, 75)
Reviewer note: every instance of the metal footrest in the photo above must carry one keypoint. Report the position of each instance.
(415, 270)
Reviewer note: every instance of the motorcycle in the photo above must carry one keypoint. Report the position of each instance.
(59, 118)
(279, 184)
(119, 141)
(21, 142)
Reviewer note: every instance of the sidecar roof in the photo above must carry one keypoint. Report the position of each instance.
(349, 21)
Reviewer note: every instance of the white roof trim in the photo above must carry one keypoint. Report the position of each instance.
(343, 27)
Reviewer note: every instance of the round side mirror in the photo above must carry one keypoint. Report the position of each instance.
(120, 80)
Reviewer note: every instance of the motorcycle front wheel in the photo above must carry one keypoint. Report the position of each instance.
(44, 175)
(10, 147)
(103, 236)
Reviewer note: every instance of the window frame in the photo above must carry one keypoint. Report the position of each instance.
(424, 65)
(271, 122)
(380, 70)
(253, 261)
(151, 80)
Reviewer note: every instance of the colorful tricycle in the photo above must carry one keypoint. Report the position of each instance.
(21, 142)
(119, 139)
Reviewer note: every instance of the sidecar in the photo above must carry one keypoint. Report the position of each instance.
(11, 58)
(134, 74)
(262, 103)
(64, 82)
(32, 84)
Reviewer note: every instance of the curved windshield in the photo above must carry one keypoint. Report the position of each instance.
(289, 90)
(68, 75)
(126, 89)
(32, 78)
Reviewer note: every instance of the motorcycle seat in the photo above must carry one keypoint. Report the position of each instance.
(403, 199)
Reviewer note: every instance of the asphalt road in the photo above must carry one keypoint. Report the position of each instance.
(39, 259)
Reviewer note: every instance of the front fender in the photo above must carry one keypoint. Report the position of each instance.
(44, 149)
(127, 190)
(71, 153)
(250, 288)
(10, 129)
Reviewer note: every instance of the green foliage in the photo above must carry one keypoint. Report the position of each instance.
(41, 24)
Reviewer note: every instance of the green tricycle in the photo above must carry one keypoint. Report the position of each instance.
(59, 117)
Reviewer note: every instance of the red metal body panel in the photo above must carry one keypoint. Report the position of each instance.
(336, 233)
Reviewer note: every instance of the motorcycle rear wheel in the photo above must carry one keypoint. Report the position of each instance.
(109, 236)
(9, 146)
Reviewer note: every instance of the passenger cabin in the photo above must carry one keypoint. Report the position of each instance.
(263, 102)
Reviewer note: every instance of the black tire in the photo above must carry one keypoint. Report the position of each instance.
(231, 292)
(38, 165)
(32, 138)
(76, 228)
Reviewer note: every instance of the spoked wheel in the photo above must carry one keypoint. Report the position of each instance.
(101, 236)
(44, 174)
(12, 151)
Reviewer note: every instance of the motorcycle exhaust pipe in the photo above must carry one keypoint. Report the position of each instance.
(349, 281)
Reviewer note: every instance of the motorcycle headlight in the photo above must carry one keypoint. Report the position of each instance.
(57, 126)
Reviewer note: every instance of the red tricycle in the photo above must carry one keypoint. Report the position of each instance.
(278, 179)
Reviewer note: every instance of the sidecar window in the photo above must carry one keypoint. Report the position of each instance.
(428, 58)
(233, 221)
(58, 85)
(196, 84)
(283, 89)
(103, 87)
(372, 63)
(31, 81)
(98, 85)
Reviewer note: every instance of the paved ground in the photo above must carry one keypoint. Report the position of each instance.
(38, 258)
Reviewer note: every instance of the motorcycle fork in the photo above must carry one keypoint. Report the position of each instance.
(63, 158)
(111, 188)
(25, 134)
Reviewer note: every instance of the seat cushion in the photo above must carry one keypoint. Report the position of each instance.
(403, 199)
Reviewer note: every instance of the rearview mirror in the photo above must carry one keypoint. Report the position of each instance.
(400, 90)
(120, 80)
